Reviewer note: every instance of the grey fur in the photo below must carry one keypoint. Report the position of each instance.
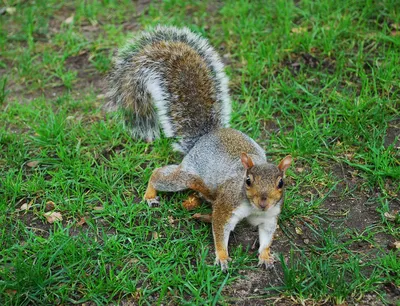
(213, 164)
(208, 161)
(143, 83)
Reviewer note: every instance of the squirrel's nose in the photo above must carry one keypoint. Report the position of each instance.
(263, 202)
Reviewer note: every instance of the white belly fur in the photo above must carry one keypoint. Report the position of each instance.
(258, 217)
(253, 215)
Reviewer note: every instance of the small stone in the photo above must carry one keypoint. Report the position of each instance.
(32, 164)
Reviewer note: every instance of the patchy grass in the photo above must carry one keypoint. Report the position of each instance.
(318, 80)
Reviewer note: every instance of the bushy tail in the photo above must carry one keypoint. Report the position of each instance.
(169, 78)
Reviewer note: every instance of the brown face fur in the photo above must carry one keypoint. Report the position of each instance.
(263, 183)
(263, 191)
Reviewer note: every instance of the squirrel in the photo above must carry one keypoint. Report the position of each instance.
(170, 80)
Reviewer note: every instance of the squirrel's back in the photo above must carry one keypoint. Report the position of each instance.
(170, 78)
(216, 156)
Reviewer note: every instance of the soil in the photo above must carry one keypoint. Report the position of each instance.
(393, 135)
(297, 61)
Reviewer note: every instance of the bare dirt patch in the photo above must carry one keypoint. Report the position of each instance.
(35, 224)
(393, 134)
(296, 61)
(87, 77)
(249, 288)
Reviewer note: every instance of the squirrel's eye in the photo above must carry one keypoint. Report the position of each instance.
(248, 181)
(280, 184)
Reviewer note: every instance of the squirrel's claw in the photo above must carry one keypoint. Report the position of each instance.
(153, 202)
(223, 263)
(268, 263)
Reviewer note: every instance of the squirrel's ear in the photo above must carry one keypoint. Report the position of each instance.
(285, 163)
(246, 161)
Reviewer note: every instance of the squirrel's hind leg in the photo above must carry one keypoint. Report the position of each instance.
(168, 178)
(173, 178)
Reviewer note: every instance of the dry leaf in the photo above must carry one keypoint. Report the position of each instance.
(349, 156)
(300, 170)
(53, 216)
(389, 216)
(11, 10)
(155, 235)
(133, 260)
(395, 33)
(26, 206)
(171, 220)
(49, 206)
(299, 30)
(394, 245)
(98, 208)
(299, 231)
(81, 222)
(32, 163)
(137, 294)
(396, 26)
(90, 28)
(10, 291)
(70, 19)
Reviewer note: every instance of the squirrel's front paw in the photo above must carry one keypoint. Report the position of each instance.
(266, 260)
(153, 202)
(223, 263)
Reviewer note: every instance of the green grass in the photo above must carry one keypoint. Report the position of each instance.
(315, 79)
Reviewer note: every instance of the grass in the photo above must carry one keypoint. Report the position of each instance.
(318, 80)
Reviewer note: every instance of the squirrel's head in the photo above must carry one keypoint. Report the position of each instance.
(264, 183)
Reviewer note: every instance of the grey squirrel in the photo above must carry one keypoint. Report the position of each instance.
(171, 79)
